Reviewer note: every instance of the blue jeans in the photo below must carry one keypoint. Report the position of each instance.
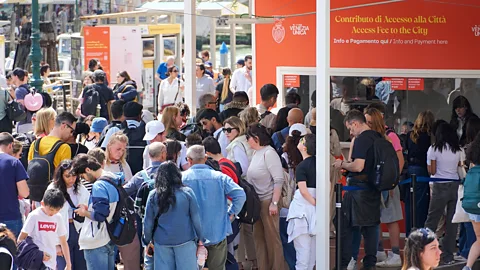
(288, 248)
(76, 255)
(100, 258)
(466, 239)
(422, 193)
(179, 257)
(14, 225)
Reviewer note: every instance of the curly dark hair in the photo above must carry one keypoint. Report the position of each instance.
(59, 183)
(290, 148)
(168, 180)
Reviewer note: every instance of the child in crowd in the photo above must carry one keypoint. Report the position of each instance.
(45, 226)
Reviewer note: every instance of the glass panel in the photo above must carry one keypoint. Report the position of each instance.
(404, 98)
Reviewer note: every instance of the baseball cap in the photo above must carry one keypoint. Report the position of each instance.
(98, 124)
(152, 129)
(99, 75)
(241, 62)
(298, 127)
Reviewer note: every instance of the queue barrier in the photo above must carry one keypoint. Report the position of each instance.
(339, 198)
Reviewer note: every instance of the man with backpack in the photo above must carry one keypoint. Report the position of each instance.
(94, 237)
(144, 182)
(268, 93)
(134, 128)
(46, 154)
(97, 94)
(115, 125)
(20, 80)
(205, 181)
(361, 208)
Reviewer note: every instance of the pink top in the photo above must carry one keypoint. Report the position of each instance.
(395, 141)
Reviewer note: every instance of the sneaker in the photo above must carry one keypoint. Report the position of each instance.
(381, 256)
(459, 258)
(352, 265)
(466, 268)
(393, 260)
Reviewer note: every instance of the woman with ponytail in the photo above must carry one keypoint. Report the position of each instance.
(223, 93)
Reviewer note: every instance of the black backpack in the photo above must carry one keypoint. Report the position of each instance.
(40, 170)
(136, 146)
(91, 99)
(121, 228)
(250, 212)
(385, 174)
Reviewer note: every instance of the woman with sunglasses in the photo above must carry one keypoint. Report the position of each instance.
(422, 251)
(75, 194)
(171, 89)
(126, 88)
(265, 173)
(238, 150)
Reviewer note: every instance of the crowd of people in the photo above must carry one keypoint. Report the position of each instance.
(443, 157)
(115, 185)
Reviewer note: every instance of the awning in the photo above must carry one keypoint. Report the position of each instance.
(218, 8)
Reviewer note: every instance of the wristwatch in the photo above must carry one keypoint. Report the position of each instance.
(275, 203)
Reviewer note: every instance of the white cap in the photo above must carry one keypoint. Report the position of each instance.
(298, 127)
(152, 129)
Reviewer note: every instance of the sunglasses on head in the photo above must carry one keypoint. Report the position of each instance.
(66, 165)
(229, 130)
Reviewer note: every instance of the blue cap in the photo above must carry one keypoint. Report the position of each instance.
(241, 62)
(98, 124)
(223, 48)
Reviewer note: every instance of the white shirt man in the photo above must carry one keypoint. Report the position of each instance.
(242, 78)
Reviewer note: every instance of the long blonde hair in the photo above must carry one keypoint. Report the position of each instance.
(423, 123)
(227, 72)
(168, 116)
(44, 116)
(116, 137)
(236, 122)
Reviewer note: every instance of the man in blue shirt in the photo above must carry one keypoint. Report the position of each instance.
(163, 68)
(295, 116)
(212, 189)
(14, 184)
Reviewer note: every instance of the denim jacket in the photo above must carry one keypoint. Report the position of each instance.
(211, 189)
(180, 224)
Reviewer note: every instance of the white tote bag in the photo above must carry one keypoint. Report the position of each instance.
(460, 215)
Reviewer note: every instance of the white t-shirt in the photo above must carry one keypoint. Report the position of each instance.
(45, 232)
(446, 162)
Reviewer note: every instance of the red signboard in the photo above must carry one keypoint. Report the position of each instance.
(97, 46)
(397, 83)
(413, 34)
(291, 80)
(415, 84)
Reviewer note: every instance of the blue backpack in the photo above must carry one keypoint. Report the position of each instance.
(471, 191)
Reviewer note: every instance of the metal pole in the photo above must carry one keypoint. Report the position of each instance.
(233, 43)
(413, 201)
(36, 53)
(76, 20)
(338, 221)
(190, 53)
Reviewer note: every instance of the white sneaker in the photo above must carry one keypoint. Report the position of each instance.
(393, 260)
(352, 265)
(381, 256)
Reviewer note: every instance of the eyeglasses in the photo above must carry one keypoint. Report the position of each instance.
(302, 140)
(72, 130)
(229, 130)
(175, 71)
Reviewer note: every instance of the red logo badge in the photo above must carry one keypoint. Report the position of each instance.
(47, 226)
